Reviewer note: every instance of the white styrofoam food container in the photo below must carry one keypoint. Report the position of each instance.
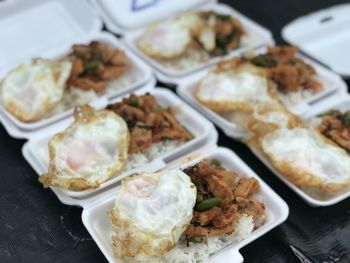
(68, 25)
(324, 35)
(334, 86)
(335, 103)
(256, 34)
(36, 150)
(122, 16)
(310, 200)
(96, 220)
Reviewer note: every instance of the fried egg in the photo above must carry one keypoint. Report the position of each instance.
(165, 40)
(29, 91)
(233, 90)
(307, 159)
(150, 214)
(89, 152)
(266, 118)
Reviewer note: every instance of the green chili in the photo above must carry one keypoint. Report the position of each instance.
(208, 204)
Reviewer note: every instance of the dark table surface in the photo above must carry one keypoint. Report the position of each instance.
(36, 227)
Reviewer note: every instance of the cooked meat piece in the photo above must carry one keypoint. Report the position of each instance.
(227, 217)
(98, 63)
(147, 122)
(81, 50)
(215, 184)
(314, 85)
(149, 104)
(130, 114)
(169, 134)
(206, 217)
(193, 231)
(183, 133)
(219, 188)
(335, 127)
(88, 84)
(283, 54)
(113, 72)
(289, 72)
(223, 27)
(286, 76)
(77, 68)
(140, 140)
(246, 187)
(227, 230)
(119, 58)
(251, 207)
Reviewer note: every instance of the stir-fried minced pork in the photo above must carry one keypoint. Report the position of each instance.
(336, 126)
(148, 122)
(94, 64)
(223, 196)
(289, 72)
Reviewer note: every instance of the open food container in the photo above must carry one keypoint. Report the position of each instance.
(96, 203)
(324, 35)
(334, 87)
(97, 222)
(158, 11)
(313, 118)
(37, 154)
(71, 22)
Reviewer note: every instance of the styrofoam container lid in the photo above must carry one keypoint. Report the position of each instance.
(204, 133)
(325, 35)
(96, 220)
(121, 16)
(29, 28)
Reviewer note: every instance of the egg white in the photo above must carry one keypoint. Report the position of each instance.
(310, 158)
(168, 39)
(150, 214)
(229, 90)
(29, 91)
(91, 151)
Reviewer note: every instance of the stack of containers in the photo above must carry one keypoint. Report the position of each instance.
(73, 22)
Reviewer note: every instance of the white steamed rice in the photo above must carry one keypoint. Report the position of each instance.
(154, 151)
(291, 99)
(200, 252)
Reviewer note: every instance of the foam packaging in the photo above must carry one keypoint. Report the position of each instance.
(334, 87)
(118, 23)
(71, 22)
(36, 150)
(96, 203)
(324, 35)
(97, 222)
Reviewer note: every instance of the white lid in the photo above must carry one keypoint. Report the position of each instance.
(325, 35)
(124, 15)
(29, 28)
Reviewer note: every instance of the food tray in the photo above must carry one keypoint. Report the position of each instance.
(259, 36)
(334, 87)
(97, 222)
(62, 17)
(36, 150)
